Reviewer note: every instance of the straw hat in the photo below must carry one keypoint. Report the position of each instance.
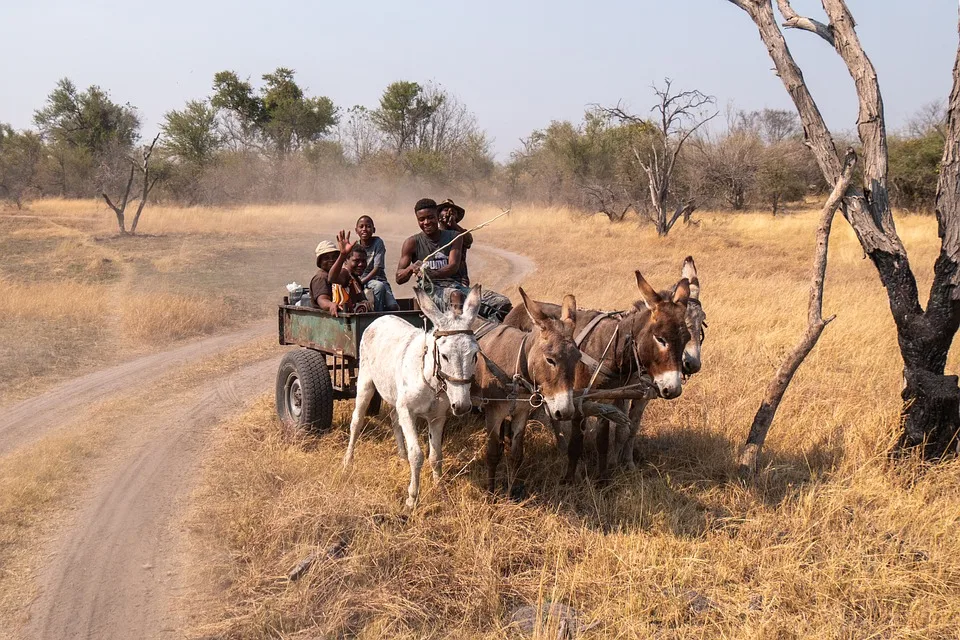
(326, 246)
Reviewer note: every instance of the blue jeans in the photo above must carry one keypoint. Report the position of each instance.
(383, 299)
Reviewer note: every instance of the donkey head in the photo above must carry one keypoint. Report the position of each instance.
(695, 319)
(454, 347)
(553, 356)
(661, 335)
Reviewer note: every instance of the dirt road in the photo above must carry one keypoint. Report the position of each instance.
(114, 572)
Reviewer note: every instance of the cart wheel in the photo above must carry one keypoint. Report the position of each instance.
(304, 392)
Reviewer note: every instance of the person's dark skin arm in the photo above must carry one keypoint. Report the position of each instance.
(407, 266)
(467, 239)
(450, 222)
(453, 266)
(345, 246)
(326, 304)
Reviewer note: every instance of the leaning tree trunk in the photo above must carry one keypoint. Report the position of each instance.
(816, 323)
(930, 411)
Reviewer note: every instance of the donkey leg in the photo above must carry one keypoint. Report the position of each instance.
(398, 435)
(636, 415)
(493, 419)
(435, 439)
(618, 437)
(408, 423)
(515, 485)
(603, 451)
(575, 449)
(365, 392)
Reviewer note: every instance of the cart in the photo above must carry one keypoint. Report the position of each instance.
(324, 366)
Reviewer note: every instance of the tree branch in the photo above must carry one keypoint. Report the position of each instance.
(815, 326)
(794, 21)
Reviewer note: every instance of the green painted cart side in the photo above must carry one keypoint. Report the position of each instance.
(340, 336)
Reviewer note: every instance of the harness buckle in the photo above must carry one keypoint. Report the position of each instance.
(536, 400)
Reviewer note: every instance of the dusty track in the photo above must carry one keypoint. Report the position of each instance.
(114, 571)
(118, 571)
(31, 419)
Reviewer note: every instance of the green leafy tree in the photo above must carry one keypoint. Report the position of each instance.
(191, 135)
(914, 169)
(20, 155)
(87, 120)
(403, 114)
(280, 113)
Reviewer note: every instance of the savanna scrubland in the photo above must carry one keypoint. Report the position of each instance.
(831, 540)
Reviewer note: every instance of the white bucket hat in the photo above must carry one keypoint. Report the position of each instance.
(326, 246)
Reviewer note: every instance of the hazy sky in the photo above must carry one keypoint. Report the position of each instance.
(517, 65)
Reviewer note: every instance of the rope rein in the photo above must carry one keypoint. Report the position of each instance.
(423, 280)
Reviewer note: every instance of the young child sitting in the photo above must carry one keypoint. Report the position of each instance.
(374, 278)
(345, 274)
(334, 288)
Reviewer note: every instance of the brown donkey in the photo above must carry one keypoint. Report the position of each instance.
(520, 370)
(654, 336)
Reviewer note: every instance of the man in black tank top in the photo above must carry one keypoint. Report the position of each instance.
(443, 269)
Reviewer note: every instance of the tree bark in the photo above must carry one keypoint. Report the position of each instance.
(929, 413)
(122, 207)
(147, 184)
(815, 326)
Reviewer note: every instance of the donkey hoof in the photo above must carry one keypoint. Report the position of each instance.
(410, 503)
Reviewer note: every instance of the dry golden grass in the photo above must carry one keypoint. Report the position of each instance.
(163, 317)
(832, 540)
(70, 286)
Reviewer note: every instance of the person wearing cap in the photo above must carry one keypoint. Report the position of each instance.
(321, 291)
(450, 215)
(443, 269)
(492, 304)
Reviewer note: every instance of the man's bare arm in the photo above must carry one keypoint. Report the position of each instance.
(407, 267)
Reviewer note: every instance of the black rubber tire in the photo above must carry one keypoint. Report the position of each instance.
(305, 371)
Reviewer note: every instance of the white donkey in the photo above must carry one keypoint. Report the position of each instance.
(422, 374)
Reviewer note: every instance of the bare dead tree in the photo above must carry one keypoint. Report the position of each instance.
(931, 400)
(815, 326)
(678, 116)
(143, 166)
(611, 202)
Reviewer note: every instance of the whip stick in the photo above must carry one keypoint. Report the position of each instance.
(460, 235)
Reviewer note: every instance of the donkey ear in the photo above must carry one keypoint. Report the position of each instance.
(681, 292)
(689, 271)
(568, 313)
(472, 305)
(533, 308)
(428, 307)
(648, 297)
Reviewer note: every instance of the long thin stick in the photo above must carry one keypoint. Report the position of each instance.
(460, 235)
